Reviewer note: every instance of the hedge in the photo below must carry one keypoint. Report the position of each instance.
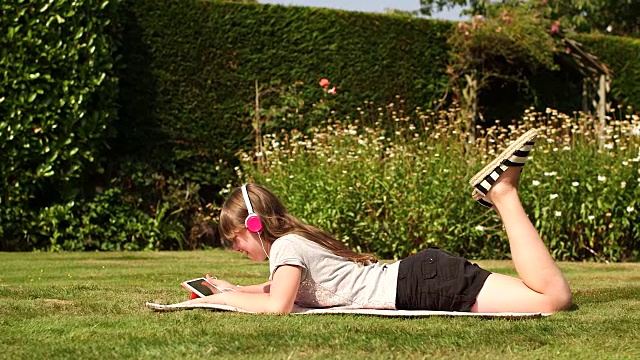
(622, 56)
(57, 101)
(191, 68)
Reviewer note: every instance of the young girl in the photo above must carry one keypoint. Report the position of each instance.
(308, 267)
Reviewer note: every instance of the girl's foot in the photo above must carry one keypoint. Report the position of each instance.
(514, 156)
(506, 185)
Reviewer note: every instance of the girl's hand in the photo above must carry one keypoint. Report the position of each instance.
(220, 284)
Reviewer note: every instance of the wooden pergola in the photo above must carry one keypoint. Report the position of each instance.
(596, 80)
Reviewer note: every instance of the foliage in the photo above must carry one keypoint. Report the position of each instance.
(619, 17)
(511, 45)
(183, 84)
(57, 92)
(198, 114)
(506, 45)
(139, 210)
(514, 59)
(395, 192)
(107, 222)
(622, 58)
(472, 7)
(616, 17)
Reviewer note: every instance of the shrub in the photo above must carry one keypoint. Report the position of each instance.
(395, 192)
(57, 100)
(119, 219)
(108, 222)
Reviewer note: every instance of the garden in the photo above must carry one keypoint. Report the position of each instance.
(125, 124)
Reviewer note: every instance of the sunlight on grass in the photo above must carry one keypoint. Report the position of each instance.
(91, 305)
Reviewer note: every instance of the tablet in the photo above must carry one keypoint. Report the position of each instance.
(197, 287)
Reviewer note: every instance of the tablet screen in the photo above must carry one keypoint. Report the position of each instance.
(197, 284)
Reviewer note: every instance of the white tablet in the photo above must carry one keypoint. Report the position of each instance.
(198, 287)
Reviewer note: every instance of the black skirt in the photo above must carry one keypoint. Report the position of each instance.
(434, 279)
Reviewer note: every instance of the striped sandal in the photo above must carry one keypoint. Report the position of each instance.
(514, 155)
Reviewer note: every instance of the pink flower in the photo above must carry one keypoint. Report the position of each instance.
(324, 83)
(555, 28)
(332, 90)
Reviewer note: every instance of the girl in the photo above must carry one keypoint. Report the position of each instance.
(308, 267)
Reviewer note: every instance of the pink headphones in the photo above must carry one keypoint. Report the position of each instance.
(252, 222)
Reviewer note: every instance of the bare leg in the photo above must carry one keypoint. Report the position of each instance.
(541, 287)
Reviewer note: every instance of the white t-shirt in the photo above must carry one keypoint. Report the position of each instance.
(329, 280)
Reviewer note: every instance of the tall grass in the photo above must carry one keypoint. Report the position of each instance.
(398, 190)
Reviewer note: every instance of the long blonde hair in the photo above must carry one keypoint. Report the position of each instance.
(277, 222)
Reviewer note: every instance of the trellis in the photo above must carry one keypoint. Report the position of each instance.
(596, 81)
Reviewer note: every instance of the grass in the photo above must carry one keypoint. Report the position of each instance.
(91, 305)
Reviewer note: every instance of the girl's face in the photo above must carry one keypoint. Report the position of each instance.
(249, 243)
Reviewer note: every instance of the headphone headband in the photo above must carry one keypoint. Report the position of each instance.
(247, 202)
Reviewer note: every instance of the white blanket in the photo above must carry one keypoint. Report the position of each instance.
(338, 310)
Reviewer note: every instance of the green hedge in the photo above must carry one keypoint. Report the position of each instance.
(622, 57)
(191, 68)
(57, 100)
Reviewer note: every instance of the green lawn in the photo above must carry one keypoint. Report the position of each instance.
(91, 305)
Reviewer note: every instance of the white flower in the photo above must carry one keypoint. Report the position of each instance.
(480, 228)
(553, 173)
(553, 196)
(591, 217)
(558, 213)
(630, 209)
(575, 183)
(625, 163)
(608, 146)
(535, 182)
(566, 148)
(623, 184)
(602, 178)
